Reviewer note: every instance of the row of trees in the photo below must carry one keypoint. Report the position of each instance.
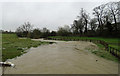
(26, 30)
(106, 23)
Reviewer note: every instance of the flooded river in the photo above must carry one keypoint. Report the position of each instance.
(62, 57)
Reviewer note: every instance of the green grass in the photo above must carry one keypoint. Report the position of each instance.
(101, 50)
(13, 46)
(104, 54)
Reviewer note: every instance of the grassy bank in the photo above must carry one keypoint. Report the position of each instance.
(102, 53)
(113, 42)
(13, 46)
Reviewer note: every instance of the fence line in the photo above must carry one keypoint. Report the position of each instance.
(113, 51)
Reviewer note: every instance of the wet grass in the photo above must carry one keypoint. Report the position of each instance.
(102, 53)
(13, 46)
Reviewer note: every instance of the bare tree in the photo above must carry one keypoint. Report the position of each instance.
(107, 17)
(74, 27)
(113, 9)
(81, 23)
(78, 26)
(118, 17)
(27, 27)
(93, 24)
(24, 30)
(98, 12)
(84, 15)
(118, 12)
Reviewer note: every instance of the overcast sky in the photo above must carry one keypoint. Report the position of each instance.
(47, 13)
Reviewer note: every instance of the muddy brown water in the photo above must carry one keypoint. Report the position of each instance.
(62, 57)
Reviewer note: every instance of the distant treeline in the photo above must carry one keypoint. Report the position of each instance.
(7, 32)
(106, 23)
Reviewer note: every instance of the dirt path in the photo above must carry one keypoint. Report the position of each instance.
(62, 58)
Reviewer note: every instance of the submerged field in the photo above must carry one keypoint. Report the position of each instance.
(113, 42)
(13, 46)
(63, 57)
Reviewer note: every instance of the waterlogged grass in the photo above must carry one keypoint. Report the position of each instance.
(102, 53)
(13, 46)
(113, 42)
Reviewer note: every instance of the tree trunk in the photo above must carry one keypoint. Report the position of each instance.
(115, 22)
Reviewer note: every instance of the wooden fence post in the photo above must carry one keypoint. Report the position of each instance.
(116, 52)
(112, 51)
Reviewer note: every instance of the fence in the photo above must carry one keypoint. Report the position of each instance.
(113, 51)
